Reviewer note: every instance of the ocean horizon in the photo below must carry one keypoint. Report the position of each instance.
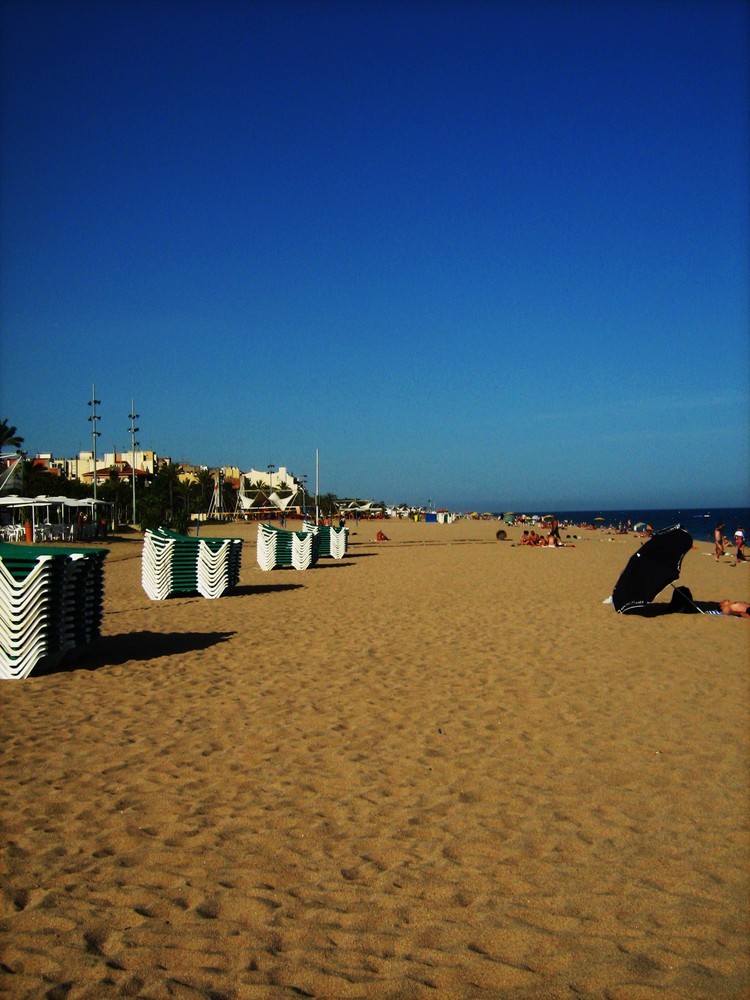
(699, 521)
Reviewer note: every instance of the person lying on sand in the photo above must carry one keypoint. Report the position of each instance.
(682, 603)
(736, 608)
(556, 543)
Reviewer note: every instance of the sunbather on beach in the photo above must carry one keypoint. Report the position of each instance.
(736, 608)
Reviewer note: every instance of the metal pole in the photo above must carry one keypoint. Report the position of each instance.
(133, 417)
(94, 432)
(271, 468)
(317, 497)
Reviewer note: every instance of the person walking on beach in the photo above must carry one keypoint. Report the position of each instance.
(719, 541)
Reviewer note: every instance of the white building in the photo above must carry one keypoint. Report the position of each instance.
(279, 480)
(82, 466)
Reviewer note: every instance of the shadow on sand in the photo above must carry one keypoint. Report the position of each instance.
(113, 650)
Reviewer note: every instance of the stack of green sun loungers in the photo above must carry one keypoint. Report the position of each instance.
(333, 541)
(179, 564)
(51, 604)
(278, 548)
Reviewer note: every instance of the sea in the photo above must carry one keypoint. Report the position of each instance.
(700, 522)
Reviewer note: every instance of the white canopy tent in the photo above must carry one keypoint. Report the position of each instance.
(15, 502)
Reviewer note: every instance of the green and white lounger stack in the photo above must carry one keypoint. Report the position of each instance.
(333, 541)
(278, 548)
(178, 564)
(51, 604)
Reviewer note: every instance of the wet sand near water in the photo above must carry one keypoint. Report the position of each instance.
(439, 767)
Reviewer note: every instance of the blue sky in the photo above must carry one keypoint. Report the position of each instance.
(491, 254)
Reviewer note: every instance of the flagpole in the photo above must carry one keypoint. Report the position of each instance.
(317, 516)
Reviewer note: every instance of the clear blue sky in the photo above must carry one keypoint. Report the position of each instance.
(492, 254)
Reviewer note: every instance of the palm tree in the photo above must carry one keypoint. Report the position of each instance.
(185, 489)
(8, 436)
(169, 479)
(329, 504)
(115, 492)
(157, 505)
(205, 483)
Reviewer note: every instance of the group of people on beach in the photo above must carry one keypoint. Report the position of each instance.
(722, 543)
(551, 540)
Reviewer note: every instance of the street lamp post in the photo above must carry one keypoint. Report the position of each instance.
(271, 469)
(317, 488)
(133, 417)
(93, 403)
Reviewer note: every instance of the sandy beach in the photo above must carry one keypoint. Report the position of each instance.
(439, 767)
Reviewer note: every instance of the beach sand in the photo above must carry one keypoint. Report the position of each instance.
(440, 767)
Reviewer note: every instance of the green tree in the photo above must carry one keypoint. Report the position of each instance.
(329, 504)
(8, 436)
(157, 506)
(205, 483)
(118, 493)
(186, 491)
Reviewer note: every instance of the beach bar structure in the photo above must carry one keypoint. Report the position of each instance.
(40, 510)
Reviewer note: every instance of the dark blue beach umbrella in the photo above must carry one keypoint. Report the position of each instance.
(653, 567)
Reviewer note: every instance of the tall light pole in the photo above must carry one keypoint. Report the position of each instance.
(93, 403)
(271, 468)
(133, 417)
(317, 488)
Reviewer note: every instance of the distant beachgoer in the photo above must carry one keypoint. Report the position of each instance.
(382, 537)
(555, 529)
(719, 541)
(739, 541)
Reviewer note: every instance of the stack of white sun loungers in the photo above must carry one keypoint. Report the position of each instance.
(279, 549)
(51, 605)
(333, 541)
(178, 564)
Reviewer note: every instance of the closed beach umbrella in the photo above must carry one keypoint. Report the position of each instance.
(653, 567)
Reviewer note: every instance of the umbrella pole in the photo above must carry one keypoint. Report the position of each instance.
(700, 612)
